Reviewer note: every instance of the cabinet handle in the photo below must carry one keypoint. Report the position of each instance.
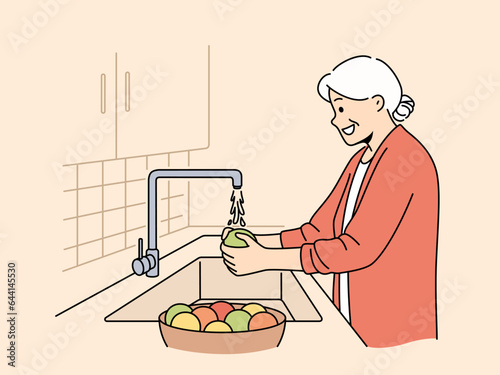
(127, 91)
(103, 93)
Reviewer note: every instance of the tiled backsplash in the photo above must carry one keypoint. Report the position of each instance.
(106, 204)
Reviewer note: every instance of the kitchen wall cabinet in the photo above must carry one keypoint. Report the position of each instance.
(161, 77)
(149, 92)
(143, 98)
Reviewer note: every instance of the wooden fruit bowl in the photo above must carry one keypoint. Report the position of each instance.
(224, 342)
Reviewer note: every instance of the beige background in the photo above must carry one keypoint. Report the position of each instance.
(266, 57)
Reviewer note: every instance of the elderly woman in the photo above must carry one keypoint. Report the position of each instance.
(377, 230)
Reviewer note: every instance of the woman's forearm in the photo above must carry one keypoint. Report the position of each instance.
(279, 258)
(271, 241)
(283, 259)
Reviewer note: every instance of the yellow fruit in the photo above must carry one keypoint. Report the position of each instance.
(218, 326)
(253, 308)
(186, 320)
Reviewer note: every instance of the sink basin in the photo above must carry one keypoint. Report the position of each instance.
(206, 279)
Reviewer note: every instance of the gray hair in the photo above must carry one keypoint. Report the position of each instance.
(362, 77)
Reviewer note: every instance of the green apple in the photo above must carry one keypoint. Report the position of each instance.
(174, 310)
(238, 320)
(232, 241)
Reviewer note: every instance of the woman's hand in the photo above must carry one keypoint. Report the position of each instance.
(225, 232)
(245, 260)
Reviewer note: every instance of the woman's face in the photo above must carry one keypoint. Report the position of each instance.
(355, 119)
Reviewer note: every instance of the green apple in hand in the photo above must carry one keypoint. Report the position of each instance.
(232, 241)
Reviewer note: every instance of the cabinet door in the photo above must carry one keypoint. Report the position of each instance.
(83, 99)
(162, 98)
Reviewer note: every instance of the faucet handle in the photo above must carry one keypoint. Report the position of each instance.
(146, 264)
(140, 265)
(139, 247)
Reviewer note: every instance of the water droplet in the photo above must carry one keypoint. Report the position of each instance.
(239, 204)
(242, 222)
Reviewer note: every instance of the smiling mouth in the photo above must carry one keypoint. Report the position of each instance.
(349, 130)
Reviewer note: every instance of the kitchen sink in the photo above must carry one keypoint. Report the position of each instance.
(206, 279)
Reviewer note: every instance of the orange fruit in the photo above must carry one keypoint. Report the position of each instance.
(262, 320)
(205, 315)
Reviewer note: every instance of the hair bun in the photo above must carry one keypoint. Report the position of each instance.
(404, 108)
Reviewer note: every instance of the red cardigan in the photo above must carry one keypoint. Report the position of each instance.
(389, 247)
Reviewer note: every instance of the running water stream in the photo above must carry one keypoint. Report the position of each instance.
(237, 210)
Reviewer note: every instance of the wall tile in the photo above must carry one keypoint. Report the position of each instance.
(69, 233)
(162, 228)
(69, 201)
(176, 224)
(178, 186)
(89, 252)
(68, 177)
(114, 222)
(114, 171)
(89, 200)
(114, 243)
(136, 216)
(134, 235)
(162, 188)
(136, 168)
(89, 174)
(179, 160)
(89, 228)
(158, 162)
(136, 192)
(114, 196)
(162, 209)
(179, 206)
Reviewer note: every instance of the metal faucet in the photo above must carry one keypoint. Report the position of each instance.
(149, 263)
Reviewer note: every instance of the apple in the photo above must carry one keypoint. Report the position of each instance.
(174, 310)
(238, 320)
(232, 241)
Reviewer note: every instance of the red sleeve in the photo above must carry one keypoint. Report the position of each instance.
(378, 216)
(321, 224)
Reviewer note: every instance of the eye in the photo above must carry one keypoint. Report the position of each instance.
(341, 109)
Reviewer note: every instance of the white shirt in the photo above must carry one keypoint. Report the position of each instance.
(349, 210)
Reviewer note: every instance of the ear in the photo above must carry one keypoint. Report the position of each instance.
(379, 102)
